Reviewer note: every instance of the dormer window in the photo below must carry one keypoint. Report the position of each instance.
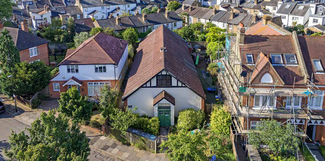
(290, 59)
(276, 59)
(249, 59)
(267, 78)
(301, 7)
(318, 66)
(287, 6)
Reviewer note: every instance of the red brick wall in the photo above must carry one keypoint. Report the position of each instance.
(43, 55)
(319, 136)
(83, 88)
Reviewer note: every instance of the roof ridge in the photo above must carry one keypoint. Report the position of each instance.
(79, 48)
(163, 46)
(103, 50)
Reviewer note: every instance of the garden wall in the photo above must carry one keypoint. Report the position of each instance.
(26, 101)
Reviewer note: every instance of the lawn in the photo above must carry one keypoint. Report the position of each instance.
(59, 58)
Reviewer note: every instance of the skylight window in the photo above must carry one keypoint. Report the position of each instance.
(318, 66)
(301, 7)
(290, 59)
(249, 58)
(276, 59)
(287, 6)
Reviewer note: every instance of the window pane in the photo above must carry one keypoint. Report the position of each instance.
(290, 59)
(68, 67)
(276, 59)
(257, 100)
(296, 101)
(264, 100)
(76, 67)
(318, 101)
(249, 58)
(104, 68)
(96, 68)
(289, 101)
(318, 65)
(100, 69)
(271, 101)
(72, 69)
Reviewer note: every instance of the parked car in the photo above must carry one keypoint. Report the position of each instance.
(2, 107)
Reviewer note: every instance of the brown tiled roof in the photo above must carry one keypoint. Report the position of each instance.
(99, 49)
(164, 95)
(261, 61)
(260, 29)
(74, 79)
(150, 60)
(272, 44)
(312, 47)
(69, 52)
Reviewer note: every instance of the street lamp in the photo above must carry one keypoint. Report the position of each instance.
(14, 96)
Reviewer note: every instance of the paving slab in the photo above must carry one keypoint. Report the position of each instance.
(115, 151)
(109, 150)
(119, 153)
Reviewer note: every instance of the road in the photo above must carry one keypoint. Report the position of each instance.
(8, 123)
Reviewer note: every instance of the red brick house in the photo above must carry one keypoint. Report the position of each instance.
(100, 60)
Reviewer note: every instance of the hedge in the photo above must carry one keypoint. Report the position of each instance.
(189, 119)
(149, 125)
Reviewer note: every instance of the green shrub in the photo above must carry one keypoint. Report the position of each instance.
(190, 119)
(141, 144)
(150, 126)
(36, 103)
(95, 124)
(305, 152)
(153, 126)
(54, 71)
(322, 150)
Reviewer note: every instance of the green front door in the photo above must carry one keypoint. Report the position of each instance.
(164, 115)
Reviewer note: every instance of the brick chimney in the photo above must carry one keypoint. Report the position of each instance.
(102, 1)
(118, 20)
(158, 10)
(144, 17)
(240, 34)
(232, 15)
(255, 2)
(167, 14)
(183, 7)
(1, 24)
(24, 25)
(266, 19)
(189, 8)
(254, 17)
(215, 11)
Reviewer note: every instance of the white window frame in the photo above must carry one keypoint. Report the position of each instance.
(56, 85)
(250, 55)
(295, 18)
(33, 51)
(94, 91)
(98, 68)
(318, 71)
(277, 64)
(292, 102)
(290, 64)
(78, 16)
(261, 102)
(312, 100)
(314, 20)
(74, 67)
(254, 124)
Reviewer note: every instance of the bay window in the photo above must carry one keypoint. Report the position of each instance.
(294, 102)
(264, 101)
(316, 102)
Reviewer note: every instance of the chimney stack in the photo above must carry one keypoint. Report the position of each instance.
(255, 2)
(240, 34)
(144, 17)
(118, 20)
(158, 10)
(217, 7)
(24, 25)
(110, 16)
(232, 15)
(183, 7)
(167, 14)
(27, 7)
(266, 19)
(214, 11)
(136, 13)
(254, 17)
(102, 1)
(189, 8)
(1, 24)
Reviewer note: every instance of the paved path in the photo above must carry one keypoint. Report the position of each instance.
(315, 150)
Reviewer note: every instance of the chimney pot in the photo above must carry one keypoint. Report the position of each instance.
(24, 25)
(266, 19)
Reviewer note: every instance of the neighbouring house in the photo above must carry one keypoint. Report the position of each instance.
(100, 60)
(142, 22)
(84, 25)
(163, 79)
(294, 13)
(31, 47)
(317, 16)
(66, 12)
(278, 77)
(268, 26)
(270, 5)
(102, 9)
(315, 29)
(252, 7)
(41, 17)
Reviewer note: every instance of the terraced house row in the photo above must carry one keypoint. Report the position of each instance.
(275, 76)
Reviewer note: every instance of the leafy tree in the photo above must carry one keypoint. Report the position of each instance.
(5, 9)
(209, 25)
(279, 138)
(186, 32)
(50, 138)
(122, 120)
(197, 26)
(216, 34)
(130, 35)
(131, 51)
(173, 5)
(108, 101)
(189, 119)
(9, 54)
(154, 9)
(71, 29)
(126, 14)
(80, 38)
(146, 11)
(300, 29)
(213, 48)
(317, 34)
(109, 31)
(220, 121)
(185, 146)
(95, 30)
(25, 79)
(73, 105)
(53, 32)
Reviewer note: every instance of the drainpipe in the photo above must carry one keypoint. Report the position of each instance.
(115, 74)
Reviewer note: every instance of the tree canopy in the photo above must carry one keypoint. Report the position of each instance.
(186, 32)
(317, 34)
(9, 54)
(80, 38)
(130, 35)
(73, 105)
(50, 138)
(109, 31)
(121, 121)
(279, 138)
(5, 9)
(95, 30)
(25, 79)
(146, 11)
(173, 5)
(220, 121)
(108, 101)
